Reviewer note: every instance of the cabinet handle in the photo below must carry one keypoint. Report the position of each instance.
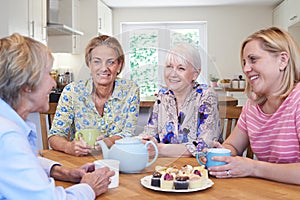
(294, 17)
(44, 34)
(32, 29)
(74, 42)
(100, 24)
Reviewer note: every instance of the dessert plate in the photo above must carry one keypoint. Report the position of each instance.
(146, 182)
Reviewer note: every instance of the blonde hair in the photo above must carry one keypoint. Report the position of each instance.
(185, 54)
(22, 60)
(105, 40)
(275, 41)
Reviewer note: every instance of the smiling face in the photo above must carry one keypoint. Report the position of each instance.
(262, 68)
(179, 76)
(104, 65)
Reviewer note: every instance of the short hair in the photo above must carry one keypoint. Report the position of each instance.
(276, 40)
(22, 60)
(185, 53)
(105, 40)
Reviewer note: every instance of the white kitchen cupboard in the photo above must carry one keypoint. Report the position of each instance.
(27, 17)
(62, 42)
(104, 19)
(281, 16)
(293, 7)
(287, 14)
(96, 19)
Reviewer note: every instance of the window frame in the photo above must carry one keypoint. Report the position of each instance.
(164, 43)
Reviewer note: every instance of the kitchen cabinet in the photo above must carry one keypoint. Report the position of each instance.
(63, 42)
(96, 19)
(293, 7)
(104, 19)
(281, 16)
(287, 14)
(27, 17)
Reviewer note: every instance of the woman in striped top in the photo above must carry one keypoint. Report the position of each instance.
(270, 120)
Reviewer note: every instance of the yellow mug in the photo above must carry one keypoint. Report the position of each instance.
(88, 135)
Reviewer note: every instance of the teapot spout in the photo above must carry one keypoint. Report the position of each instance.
(104, 149)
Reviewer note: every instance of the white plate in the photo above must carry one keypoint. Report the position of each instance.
(146, 182)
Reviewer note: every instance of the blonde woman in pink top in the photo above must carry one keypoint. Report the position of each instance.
(270, 120)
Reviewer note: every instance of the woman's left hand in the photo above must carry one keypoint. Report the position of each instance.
(236, 166)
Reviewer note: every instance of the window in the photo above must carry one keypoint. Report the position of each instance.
(145, 47)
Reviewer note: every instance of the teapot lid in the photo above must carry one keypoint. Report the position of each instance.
(128, 140)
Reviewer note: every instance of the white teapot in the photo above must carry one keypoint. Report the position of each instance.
(131, 152)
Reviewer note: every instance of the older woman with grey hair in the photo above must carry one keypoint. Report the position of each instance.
(25, 83)
(185, 117)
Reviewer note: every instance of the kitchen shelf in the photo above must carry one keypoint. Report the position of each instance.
(229, 89)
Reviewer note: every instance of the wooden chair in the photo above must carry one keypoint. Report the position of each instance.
(46, 119)
(229, 116)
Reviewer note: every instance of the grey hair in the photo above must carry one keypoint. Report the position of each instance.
(22, 61)
(186, 54)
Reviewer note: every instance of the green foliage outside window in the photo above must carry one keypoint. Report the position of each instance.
(144, 55)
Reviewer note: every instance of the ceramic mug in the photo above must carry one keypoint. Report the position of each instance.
(112, 165)
(211, 153)
(88, 135)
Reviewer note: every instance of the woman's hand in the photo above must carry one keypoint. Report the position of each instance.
(236, 166)
(98, 180)
(78, 148)
(71, 174)
(77, 173)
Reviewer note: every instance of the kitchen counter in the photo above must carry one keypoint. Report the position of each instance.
(223, 100)
(217, 89)
(147, 102)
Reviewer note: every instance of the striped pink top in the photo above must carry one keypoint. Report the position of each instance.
(274, 137)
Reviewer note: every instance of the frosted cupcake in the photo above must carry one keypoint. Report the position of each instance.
(198, 178)
(167, 181)
(155, 180)
(181, 182)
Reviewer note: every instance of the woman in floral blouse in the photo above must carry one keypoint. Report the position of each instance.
(185, 116)
(104, 102)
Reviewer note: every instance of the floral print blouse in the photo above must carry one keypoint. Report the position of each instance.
(76, 110)
(197, 124)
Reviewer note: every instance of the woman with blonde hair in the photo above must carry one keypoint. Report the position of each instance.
(270, 120)
(105, 102)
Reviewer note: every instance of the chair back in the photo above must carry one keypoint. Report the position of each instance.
(46, 119)
(228, 117)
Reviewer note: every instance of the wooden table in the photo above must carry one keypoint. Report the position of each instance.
(231, 189)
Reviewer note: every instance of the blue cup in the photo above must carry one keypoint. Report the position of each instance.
(211, 153)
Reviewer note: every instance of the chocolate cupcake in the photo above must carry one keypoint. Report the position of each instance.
(155, 180)
(181, 183)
